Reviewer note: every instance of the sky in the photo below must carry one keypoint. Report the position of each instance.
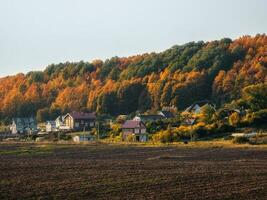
(36, 33)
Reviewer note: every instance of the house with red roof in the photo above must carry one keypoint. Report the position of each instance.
(79, 121)
(134, 129)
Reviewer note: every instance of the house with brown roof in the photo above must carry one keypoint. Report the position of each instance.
(80, 120)
(135, 129)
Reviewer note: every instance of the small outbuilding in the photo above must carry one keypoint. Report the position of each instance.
(83, 138)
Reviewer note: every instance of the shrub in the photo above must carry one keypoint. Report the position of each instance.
(130, 138)
(164, 136)
(234, 119)
(240, 140)
(225, 128)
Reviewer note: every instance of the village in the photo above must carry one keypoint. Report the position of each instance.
(89, 127)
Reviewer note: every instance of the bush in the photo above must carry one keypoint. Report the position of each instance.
(258, 118)
(164, 136)
(225, 128)
(240, 140)
(130, 138)
(234, 119)
(115, 130)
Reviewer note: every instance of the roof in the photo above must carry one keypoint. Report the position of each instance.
(81, 115)
(51, 122)
(60, 118)
(151, 117)
(199, 103)
(167, 114)
(133, 124)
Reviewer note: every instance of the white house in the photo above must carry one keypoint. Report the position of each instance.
(195, 108)
(59, 121)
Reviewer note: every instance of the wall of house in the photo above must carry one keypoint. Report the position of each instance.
(127, 131)
(50, 128)
(80, 124)
(69, 122)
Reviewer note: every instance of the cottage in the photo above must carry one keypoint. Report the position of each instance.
(148, 118)
(80, 121)
(137, 129)
(60, 124)
(83, 138)
(23, 125)
(51, 126)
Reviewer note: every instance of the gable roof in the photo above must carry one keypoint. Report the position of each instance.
(167, 114)
(197, 103)
(60, 118)
(133, 124)
(51, 122)
(81, 115)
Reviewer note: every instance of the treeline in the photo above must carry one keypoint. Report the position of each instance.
(218, 71)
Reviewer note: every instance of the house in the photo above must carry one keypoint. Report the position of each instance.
(166, 114)
(80, 121)
(83, 138)
(60, 124)
(59, 121)
(190, 114)
(195, 108)
(51, 126)
(23, 125)
(189, 121)
(148, 118)
(134, 128)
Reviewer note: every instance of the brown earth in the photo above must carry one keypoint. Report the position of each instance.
(123, 172)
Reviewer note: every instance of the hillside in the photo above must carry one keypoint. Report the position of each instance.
(220, 71)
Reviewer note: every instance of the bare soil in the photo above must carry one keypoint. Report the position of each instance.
(29, 171)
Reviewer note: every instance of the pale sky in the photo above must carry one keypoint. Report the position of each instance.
(36, 33)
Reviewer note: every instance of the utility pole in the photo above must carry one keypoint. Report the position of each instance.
(83, 132)
(98, 131)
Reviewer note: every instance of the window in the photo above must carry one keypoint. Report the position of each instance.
(143, 130)
(77, 124)
(136, 130)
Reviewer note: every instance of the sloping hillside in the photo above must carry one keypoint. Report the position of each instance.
(217, 71)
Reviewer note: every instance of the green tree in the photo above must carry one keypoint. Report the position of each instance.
(256, 96)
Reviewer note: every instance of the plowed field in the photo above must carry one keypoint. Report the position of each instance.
(121, 172)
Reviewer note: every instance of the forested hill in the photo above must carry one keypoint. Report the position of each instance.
(219, 71)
